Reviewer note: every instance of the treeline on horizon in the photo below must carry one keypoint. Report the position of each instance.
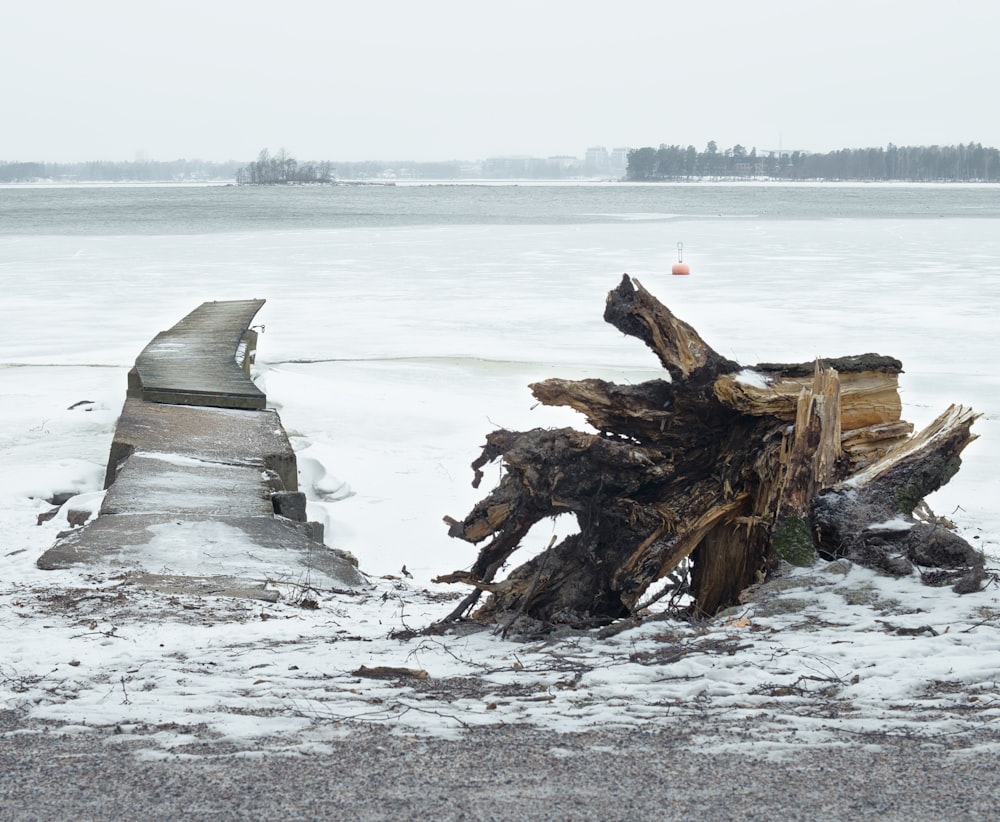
(970, 162)
(272, 169)
(101, 171)
(962, 163)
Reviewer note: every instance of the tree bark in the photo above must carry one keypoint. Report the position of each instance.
(736, 468)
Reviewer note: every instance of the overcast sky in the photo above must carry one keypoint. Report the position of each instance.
(468, 79)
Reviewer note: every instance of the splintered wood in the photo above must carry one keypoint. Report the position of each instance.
(735, 468)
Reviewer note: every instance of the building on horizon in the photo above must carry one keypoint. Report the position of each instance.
(520, 167)
(596, 160)
(618, 161)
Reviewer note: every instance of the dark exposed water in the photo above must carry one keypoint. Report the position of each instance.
(208, 209)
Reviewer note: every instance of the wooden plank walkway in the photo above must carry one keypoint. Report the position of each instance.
(195, 362)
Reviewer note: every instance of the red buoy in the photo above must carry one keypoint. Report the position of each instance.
(680, 267)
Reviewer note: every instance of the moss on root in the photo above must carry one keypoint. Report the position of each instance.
(793, 541)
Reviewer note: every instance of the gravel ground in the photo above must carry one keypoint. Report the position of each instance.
(514, 772)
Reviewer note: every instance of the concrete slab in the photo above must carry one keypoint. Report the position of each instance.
(173, 484)
(235, 552)
(235, 437)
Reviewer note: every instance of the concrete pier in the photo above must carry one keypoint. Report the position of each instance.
(202, 487)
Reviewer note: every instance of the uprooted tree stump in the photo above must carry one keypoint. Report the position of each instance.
(735, 468)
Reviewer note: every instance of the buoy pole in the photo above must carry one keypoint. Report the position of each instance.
(680, 267)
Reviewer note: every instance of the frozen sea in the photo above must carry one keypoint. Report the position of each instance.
(405, 322)
(402, 324)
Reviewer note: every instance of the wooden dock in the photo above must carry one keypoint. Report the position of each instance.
(202, 483)
(196, 361)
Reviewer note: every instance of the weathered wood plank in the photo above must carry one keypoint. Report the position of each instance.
(194, 362)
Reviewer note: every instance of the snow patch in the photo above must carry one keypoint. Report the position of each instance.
(753, 378)
(896, 524)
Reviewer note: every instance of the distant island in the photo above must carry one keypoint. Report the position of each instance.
(281, 169)
(970, 162)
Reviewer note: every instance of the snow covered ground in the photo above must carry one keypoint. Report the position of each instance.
(390, 353)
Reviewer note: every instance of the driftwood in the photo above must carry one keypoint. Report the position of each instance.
(735, 468)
